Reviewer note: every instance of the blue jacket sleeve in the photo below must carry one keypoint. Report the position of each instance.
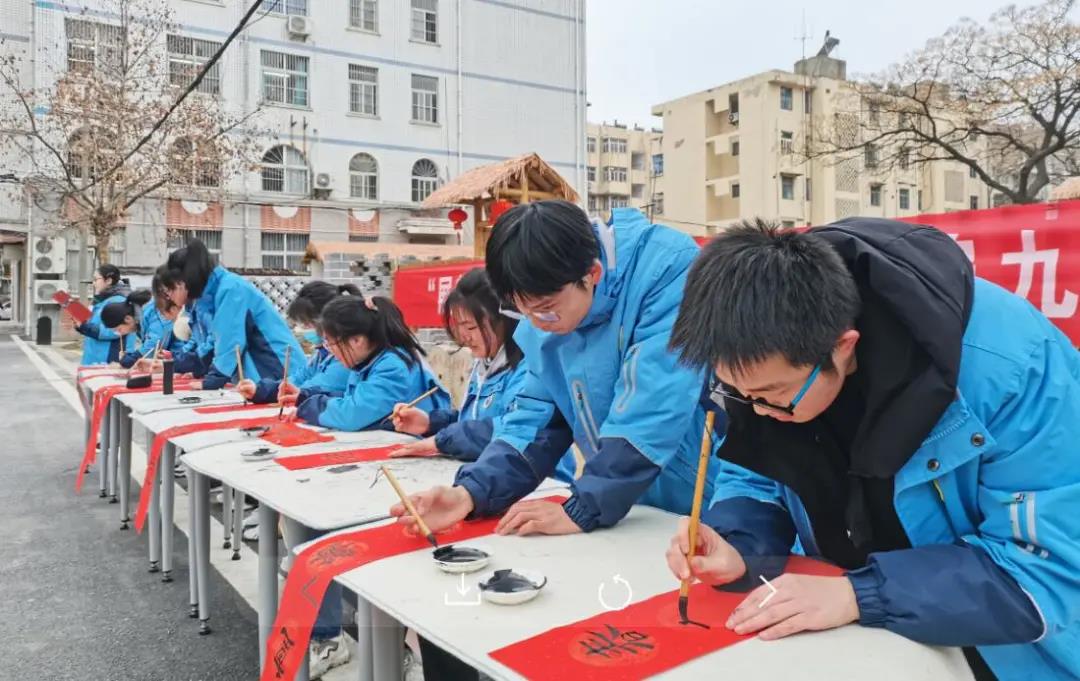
(364, 402)
(441, 418)
(761, 531)
(641, 433)
(525, 450)
(464, 440)
(92, 329)
(948, 595)
(266, 391)
(129, 359)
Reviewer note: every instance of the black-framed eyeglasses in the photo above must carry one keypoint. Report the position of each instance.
(720, 391)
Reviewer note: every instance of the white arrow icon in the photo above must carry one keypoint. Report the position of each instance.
(629, 594)
(462, 590)
(771, 587)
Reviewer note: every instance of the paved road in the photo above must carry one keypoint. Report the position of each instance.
(76, 601)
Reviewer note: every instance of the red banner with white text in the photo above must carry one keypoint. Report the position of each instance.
(421, 291)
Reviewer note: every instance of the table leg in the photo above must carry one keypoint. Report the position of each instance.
(364, 648)
(193, 561)
(114, 448)
(168, 489)
(387, 635)
(268, 576)
(238, 523)
(153, 521)
(226, 514)
(103, 454)
(125, 467)
(202, 547)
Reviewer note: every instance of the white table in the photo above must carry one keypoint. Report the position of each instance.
(316, 498)
(579, 568)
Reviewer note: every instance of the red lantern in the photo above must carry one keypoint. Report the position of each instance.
(458, 216)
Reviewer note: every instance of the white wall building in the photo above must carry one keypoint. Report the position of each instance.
(373, 103)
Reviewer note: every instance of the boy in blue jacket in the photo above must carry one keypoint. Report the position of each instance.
(600, 302)
(921, 426)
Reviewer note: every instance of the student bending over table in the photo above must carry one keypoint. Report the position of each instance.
(101, 345)
(922, 426)
(134, 316)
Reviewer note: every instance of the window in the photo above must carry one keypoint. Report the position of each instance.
(178, 238)
(637, 161)
(84, 155)
(364, 177)
(785, 99)
(284, 170)
(614, 145)
(601, 203)
(284, 250)
(286, 7)
(658, 203)
(972, 174)
(187, 56)
(808, 101)
(735, 190)
(637, 191)
(919, 199)
(870, 156)
(592, 145)
(658, 164)
(788, 224)
(425, 178)
(733, 107)
(875, 195)
(735, 147)
(592, 173)
(614, 174)
(619, 202)
(425, 20)
(364, 90)
(364, 14)
(787, 142)
(592, 204)
(284, 78)
(787, 187)
(92, 46)
(425, 99)
(194, 165)
(809, 193)
(905, 199)
(973, 202)
(874, 113)
(903, 159)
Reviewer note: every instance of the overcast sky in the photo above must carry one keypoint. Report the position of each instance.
(643, 52)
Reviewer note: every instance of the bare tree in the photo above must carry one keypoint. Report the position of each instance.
(111, 81)
(1000, 98)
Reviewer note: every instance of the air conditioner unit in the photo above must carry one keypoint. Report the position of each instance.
(44, 289)
(322, 180)
(298, 26)
(49, 255)
(733, 118)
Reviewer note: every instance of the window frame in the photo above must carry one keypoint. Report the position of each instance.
(426, 20)
(368, 178)
(357, 15)
(425, 101)
(285, 165)
(289, 79)
(362, 89)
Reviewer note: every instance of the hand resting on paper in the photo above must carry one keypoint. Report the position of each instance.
(425, 447)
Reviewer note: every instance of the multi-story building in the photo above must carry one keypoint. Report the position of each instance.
(737, 151)
(620, 167)
(369, 105)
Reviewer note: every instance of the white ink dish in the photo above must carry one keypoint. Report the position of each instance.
(511, 587)
(458, 559)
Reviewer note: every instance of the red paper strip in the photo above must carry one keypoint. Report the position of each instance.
(291, 434)
(233, 407)
(154, 456)
(320, 459)
(102, 397)
(77, 310)
(317, 565)
(640, 640)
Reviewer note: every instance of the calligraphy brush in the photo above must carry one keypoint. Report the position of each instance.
(285, 378)
(409, 506)
(410, 405)
(157, 349)
(239, 365)
(695, 515)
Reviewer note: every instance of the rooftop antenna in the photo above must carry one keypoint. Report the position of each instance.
(804, 36)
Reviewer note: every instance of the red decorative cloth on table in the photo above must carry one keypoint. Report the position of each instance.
(321, 459)
(640, 640)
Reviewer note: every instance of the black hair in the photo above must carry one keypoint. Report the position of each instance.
(113, 314)
(756, 291)
(537, 248)
(313, 297)
(110, 272)
(475, 295)
(191, 265)
(349, 316)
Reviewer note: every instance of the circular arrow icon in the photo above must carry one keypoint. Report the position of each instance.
(629, 594)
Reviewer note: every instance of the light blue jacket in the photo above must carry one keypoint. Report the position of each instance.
(994, 489)
(101, 344)
(612, 386)
(372, 391)
(195, 355)
(322, 373)
(156, 328)
(243, 317)
(463, 434)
